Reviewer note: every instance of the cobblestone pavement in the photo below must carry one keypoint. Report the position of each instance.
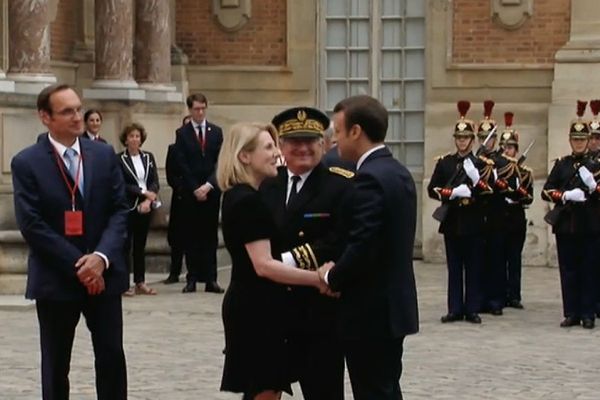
(173, 344)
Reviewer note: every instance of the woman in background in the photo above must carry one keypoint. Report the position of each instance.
(93, 123)
(141, 184)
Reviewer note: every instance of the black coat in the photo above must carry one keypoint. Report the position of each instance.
(375, 272)
(132, 189)
(576, 218)
(313, 222)
(198, 167)
(465, 217)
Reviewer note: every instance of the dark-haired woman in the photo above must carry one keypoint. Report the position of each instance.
(141, 183)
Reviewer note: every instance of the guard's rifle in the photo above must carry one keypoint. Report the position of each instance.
(574, 182)
(523, 157)
(441, 212)
(509, 169)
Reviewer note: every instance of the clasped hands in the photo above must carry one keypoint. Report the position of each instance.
(89, 271)
(201, 193)
(323, 286)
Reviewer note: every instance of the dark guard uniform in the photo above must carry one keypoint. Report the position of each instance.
(311, 227)
(576, 227)
(515, 183)
(462, 225)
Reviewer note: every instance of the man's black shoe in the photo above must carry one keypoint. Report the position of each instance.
(514, 304)
(588, 323)
(496, 311)
(569, 321)
(473, 318)
(190, 287)
(171, 279)
(213, 287)
(450, 317)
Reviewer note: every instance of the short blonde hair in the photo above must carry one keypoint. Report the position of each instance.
(241, 137)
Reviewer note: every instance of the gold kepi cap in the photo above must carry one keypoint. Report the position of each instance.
(579, 128)
(301, 122)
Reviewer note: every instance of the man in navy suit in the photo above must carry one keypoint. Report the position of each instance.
(197, 147)
(76, 264)
(374, 274)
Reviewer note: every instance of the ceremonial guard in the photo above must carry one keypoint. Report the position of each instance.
(594, 153)
(493, 273)
(572, 187)
(460, 181)
(306, 199)
(515, 184)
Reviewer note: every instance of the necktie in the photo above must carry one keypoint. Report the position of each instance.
(201, 138)
(294, 189)
(73, 161)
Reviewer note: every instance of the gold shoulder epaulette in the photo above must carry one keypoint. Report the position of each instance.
(438, 158)
(526, 168)
(342, 172)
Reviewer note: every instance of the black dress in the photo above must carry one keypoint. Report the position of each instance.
(256, 355)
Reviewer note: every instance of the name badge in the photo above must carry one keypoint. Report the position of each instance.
(73, 223)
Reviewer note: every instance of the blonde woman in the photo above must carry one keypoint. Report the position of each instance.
(254, 304)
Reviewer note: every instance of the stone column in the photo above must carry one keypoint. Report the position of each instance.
(29, 48)
(114, 44)
(83, 49)
(575, 77)
(153, 45)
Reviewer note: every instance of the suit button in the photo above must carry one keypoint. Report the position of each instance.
(301, 234)
(289, 289)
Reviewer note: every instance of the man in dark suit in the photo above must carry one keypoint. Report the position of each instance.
(76, 262)
(197, 147)
(374, 274)
(311, 231)
(175, 234)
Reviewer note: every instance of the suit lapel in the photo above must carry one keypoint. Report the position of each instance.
(88, 168)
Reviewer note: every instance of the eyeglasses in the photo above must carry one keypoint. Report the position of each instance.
(69, 112)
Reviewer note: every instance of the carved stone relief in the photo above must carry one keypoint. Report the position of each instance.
(232, 15)
(511, 14)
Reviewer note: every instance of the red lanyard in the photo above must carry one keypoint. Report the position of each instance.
(61, 166)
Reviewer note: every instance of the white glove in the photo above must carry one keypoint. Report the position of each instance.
(461, 191)
(575, 195)
(587, 178)
(471, 171)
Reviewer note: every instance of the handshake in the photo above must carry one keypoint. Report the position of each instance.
(322, 285)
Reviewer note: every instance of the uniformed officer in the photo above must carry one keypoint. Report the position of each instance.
(494, 271)
(307, 202)
(460, 181)
(515, 183)
(594, 151)
(571, 186)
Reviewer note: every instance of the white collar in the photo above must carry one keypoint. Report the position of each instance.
(303, 176)
(60, 148)
(91, 135)
(367, 153)
(200, 125)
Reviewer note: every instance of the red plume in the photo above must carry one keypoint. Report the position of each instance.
(508, 118)
(581, 108)
(488, 106)
(463, 107)
(595, 106)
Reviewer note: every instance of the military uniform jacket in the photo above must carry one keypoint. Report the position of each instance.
(576, 217)
(313, 229)
(514, 184)
(465, 216)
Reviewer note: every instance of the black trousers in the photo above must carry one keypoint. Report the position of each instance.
(104, 319)
(201, 239)
(137, 233)
(514, 249)
(176, 260)
(318, 363)
(577, 262)
(375, 367)
(464, 255)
